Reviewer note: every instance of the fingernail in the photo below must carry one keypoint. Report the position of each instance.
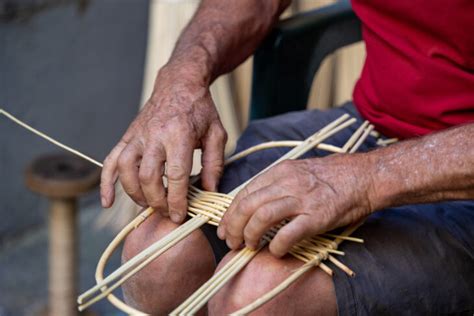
(176, 218)
(276, 253)
(220, 233)
(229, 244)
(103, 200)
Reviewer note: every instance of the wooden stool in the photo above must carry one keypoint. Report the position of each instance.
(62, 178)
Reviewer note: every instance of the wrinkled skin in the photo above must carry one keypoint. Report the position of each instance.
(179, 117)
(318, 194)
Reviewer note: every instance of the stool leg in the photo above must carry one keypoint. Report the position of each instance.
(62, 257)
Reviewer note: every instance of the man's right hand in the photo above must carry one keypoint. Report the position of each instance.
(179, 117)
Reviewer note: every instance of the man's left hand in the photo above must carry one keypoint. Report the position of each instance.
(317, 194)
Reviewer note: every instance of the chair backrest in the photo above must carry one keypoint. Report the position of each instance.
(286, 62)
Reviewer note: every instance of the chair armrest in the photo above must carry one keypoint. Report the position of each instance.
(286, 62)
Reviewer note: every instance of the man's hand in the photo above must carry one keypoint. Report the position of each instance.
(179, 117)
(320, 194)
(317, 194)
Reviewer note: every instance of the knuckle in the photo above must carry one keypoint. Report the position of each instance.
(218, 167)
(129, 133)
(146, 176)
(232, 232)
(285, 165)
(222, 135)
(154, 123)
(108, 160)
(105, 184)
(156, 202)
(130, 189)
(305, 230)
(134, 195)
(216, 164)
(178, 123)
(177, 203)
(250, 233)
(105, 177)
(176, 173)
(124, 160)
(265, 215)
(293, 203)
(244, 207)
(244, 193)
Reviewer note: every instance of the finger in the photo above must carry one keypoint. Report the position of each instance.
(213, 157)
(256, 184)
(267, 216)
(179, 163)
(267, 178)
(109, 175)
(246, 208)
(128, 162)
(222, 228)
(151, 177)
(290, 234)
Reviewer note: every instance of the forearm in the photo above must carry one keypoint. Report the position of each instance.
(222, 34)
(428, 169)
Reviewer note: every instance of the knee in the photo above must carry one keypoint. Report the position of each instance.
(172, 277)
(312, 294)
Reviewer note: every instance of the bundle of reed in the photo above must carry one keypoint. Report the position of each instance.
(209, 207)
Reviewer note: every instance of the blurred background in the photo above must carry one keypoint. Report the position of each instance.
(79, 70)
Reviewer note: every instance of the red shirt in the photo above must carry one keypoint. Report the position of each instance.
(419, 73)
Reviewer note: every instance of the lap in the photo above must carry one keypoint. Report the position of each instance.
(415, 260)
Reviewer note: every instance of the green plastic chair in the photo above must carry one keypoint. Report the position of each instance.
(286, 62)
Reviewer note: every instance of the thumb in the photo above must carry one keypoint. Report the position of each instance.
(212, 160)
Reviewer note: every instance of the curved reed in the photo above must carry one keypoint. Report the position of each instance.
(209, 207)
